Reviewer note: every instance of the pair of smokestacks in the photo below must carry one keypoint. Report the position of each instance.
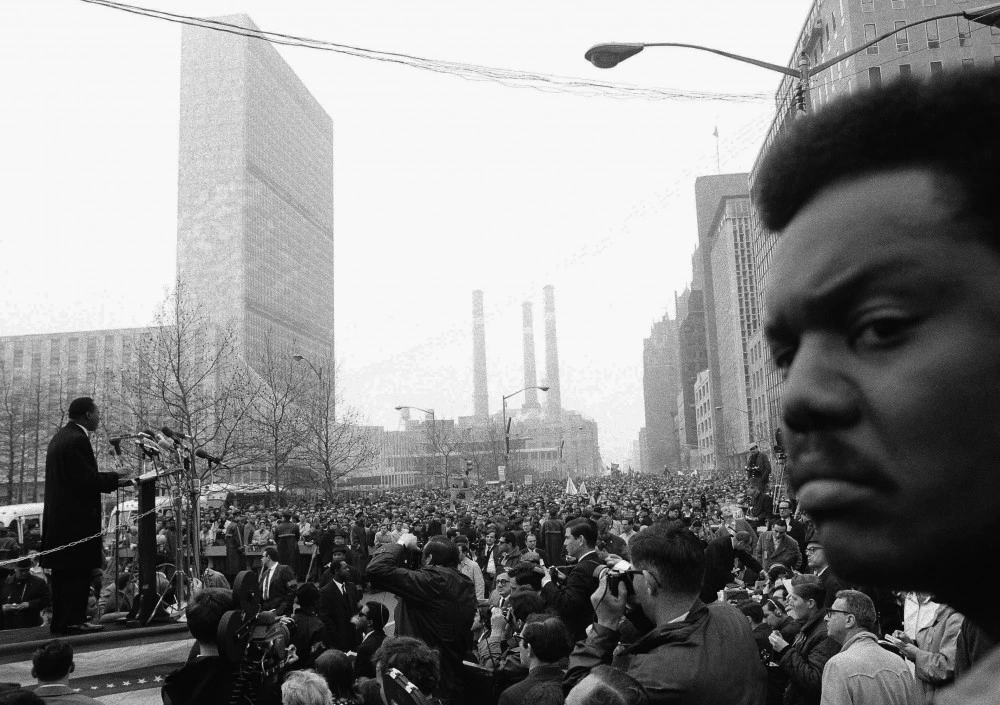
(553, 403)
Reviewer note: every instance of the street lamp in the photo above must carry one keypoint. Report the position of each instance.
(506, 425)
(430, 412)
(303, 358)
(606, 56)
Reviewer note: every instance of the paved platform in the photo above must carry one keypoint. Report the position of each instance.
(119, 665)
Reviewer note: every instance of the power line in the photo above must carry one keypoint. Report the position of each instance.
(507, 77)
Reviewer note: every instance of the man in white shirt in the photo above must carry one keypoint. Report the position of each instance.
(471, 569)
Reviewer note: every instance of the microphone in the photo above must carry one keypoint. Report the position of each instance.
(175, 436)
(150, 450)
(116, 443)
(201, 453)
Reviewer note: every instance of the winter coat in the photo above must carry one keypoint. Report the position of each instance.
(709, 657)
(435, 604)
(804, 660)
(73, 487)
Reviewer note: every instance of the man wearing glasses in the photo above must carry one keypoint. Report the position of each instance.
(816, 559)
(862, 672)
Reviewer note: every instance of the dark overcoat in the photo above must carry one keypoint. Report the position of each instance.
(73, 487)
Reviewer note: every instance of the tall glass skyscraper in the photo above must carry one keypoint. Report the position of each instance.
(255, 192)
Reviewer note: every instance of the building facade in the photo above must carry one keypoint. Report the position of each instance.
(255, 193)
(736, 318)
(833, 28)
(660, 385)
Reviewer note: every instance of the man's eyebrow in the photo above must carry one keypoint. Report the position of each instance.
(837, 292)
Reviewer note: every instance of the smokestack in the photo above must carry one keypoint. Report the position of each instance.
(481, 401)
(553, 401)
(530, 380)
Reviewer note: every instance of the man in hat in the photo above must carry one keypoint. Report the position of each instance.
(758, 469)
(23, 597)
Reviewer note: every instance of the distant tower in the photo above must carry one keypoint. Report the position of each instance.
(481, 402)
(530, 379)
(553, 400)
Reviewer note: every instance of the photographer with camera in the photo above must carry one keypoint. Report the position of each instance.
(435, 603)
(207, 677)
(695, 653)
(570, 594)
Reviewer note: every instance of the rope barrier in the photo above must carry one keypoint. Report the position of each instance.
(47, 551)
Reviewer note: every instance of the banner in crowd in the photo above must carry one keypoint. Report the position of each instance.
(570, 487)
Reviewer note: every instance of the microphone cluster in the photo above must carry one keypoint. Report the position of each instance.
(155, 444)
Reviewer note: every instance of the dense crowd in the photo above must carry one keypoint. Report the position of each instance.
(524, 595)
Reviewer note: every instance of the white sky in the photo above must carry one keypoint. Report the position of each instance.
(441, 185)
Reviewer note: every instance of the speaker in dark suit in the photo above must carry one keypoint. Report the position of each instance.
(338, 603)
(73, 487)
(277, 583)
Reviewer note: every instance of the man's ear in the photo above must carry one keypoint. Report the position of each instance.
(652, 584)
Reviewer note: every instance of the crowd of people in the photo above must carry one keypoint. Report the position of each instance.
(516, 594)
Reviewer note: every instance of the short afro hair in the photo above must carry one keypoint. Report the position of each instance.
(79, 407)
(904, 124)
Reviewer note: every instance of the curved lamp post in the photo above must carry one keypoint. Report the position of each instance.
(609, 55)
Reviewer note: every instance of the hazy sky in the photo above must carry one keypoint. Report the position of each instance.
(442, 185)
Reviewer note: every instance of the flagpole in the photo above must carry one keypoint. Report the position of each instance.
(718, 161)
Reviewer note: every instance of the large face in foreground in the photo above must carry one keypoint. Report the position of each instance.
(883, 313)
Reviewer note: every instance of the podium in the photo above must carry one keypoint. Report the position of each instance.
(147, 596)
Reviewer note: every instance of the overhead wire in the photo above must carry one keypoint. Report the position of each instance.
(508, 77)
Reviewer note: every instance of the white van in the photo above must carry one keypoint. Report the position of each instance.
(26, 522)
(125, 514)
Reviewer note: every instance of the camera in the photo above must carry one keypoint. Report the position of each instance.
(621, 573)
(257, 641)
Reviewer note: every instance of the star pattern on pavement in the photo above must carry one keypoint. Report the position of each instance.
(111, 685)
(158, 679)
(124, 683)
(141, 681)
(94, 687)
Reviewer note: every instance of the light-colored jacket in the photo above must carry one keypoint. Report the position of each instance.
(470, 568)
(863, 672)
(937, 644)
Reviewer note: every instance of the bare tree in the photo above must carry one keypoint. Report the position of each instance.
(443, 439)
(278, 414)
(187, 371)
(14, 424)
(338, 443)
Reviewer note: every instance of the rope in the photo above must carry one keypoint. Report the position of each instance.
(47, 551)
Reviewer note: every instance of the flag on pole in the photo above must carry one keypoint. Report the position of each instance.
(570, 487)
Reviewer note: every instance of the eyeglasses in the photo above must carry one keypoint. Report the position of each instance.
(503, 582)
(813, 549)
(831, 611)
